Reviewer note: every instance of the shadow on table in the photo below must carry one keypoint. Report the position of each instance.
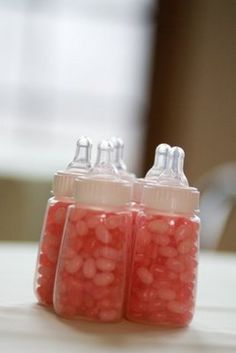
(105, 335)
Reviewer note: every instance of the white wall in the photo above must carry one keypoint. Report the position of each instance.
(69, 68)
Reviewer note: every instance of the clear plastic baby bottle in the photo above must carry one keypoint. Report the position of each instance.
(91, 274)
(54, 220)
(162, 285)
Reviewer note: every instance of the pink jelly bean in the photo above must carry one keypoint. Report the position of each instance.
(103, 279)
(159, 283)
(144, 275)
(183, 232)
(50, 240)
(176, 307)
(161, 239)
(189, 261)
(52, 254)
(74, 264)
(158, 271)
(81, 228)
(42, 281)
(158, 226)
(103, 234)
(167, 251)
(89, 268)
(105, 264)
(175, 265)
(185, 246)
(187, 276)
(69, 253)
(107, 252)
(166, 294)
(148, 294)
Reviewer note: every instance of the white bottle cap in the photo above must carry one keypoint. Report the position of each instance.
(101, 192)
(103, 186)
(171, 199)
(63, 184)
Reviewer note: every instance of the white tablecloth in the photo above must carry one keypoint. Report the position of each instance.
(28, 327)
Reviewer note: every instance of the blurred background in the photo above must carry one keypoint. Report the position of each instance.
(148, 71)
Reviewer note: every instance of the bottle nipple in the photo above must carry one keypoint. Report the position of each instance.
(168, 166)
(177, 166)
(104, 166)
(161, 162)
(118, 154)
(82, 158)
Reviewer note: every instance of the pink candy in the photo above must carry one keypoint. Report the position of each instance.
(89, 268)
(144, 275)
(159, 254)
(103, 234)
(162, 282)
(104, 264)
(91, 283)
(103, 279)
(49, 251)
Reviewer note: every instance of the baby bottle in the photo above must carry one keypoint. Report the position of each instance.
(162, 286)
(91, 273)
(54, 220)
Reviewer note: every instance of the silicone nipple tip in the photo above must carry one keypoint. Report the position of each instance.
(118, 154)
(82, 158)
(161, 161)
(104, 166)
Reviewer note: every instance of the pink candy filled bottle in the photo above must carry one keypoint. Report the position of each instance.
(54, 220)
(162, 284)
(91, 274)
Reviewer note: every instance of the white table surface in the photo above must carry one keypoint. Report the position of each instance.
(28, 327)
